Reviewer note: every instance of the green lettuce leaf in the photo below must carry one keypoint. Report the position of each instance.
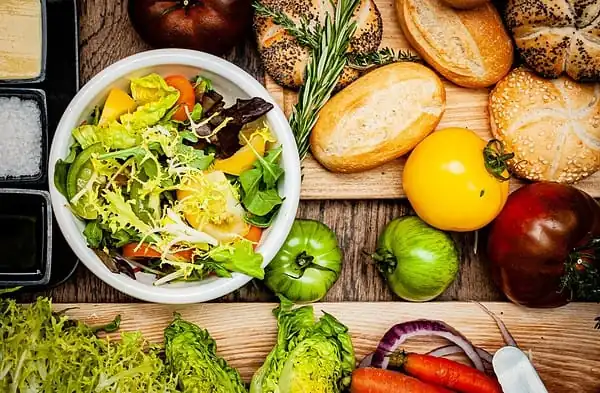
(155, 98)
(192, 357)
(86, 135)
(113, 136)
(239, 257)
(310, 356)
(46, 352)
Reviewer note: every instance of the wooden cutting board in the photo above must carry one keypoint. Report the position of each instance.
(563, 343)
(465, 108)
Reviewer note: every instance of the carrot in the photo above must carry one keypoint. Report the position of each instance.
(187, 95)
(254, 234)
(145, 250)
(447, 373)
(375, 380)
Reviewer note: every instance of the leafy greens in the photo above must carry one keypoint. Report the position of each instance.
(191, 355)
(309, 356)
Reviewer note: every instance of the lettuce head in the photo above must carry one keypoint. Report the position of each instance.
(192, 357)
(310, 356)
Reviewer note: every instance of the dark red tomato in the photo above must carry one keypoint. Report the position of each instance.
(213, 26)
(535, 235)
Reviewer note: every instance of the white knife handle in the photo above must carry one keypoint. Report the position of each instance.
(515, 372)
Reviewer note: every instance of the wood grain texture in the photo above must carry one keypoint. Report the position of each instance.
(464, 108)
(106, 37)
(564, 346)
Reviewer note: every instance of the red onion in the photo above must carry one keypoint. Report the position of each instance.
(506, 336)
(485, 356)
(398, 334)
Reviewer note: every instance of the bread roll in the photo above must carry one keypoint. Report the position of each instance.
(552, 126)
(558, 36)
(378, 118)
(469, 47)
(285, 59)
(465, 4)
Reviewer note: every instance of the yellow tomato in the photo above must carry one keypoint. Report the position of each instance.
(448, 184)
(117, 103)
(244, 158)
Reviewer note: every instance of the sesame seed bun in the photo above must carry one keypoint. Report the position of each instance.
(558, 36)
(552, 126)
(285, 59)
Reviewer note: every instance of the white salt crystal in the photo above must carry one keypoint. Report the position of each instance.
(20, 137)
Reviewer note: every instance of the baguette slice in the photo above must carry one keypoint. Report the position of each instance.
(469, 47)
(378, 118)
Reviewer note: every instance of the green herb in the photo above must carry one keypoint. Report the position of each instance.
(262, 221)
(110, 327)
(259, 184)
(93, 233)
(323, 71)
(365, 61)
(304, 32)
(196, 114)
(5, 291)
(202, 84)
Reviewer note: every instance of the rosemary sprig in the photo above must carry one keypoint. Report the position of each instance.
(323, 71)
(383, 56)
(306, 34)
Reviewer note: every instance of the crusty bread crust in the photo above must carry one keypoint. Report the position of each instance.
(285, 59)
(469, 47)
(465, 4)
(378, 118)
(558, 36)
(552, 126)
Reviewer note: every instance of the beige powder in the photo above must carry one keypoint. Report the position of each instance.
(20, 39)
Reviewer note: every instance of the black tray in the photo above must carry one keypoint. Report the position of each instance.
(60, 85)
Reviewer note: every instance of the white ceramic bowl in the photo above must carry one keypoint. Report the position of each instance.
(232, 82)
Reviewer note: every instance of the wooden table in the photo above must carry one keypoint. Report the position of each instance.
(107, 36)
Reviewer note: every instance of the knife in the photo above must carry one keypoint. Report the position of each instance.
(515, 372)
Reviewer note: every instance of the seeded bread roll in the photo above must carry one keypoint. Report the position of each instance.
(552, 126)
(558, 36)
(285, 59)
(469, 47)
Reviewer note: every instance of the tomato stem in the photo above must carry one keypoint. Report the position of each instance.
(386, 261)
(496, 159)
(303, 259)
(582, 276)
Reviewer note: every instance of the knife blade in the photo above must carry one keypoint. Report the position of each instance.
(515, 372)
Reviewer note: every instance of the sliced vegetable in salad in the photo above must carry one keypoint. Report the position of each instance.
(171, 182)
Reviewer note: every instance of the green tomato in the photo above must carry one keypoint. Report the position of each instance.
(418, 261)
(307, 265)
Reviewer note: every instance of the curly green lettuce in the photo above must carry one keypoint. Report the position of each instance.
(191, 357)
(45, 352)
(310, 356)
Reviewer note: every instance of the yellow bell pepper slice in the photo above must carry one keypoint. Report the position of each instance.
(117, 104)
(244, 158)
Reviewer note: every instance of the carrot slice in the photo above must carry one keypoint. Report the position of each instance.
(187, 96)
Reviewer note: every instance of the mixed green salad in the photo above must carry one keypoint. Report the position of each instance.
(171, 182)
